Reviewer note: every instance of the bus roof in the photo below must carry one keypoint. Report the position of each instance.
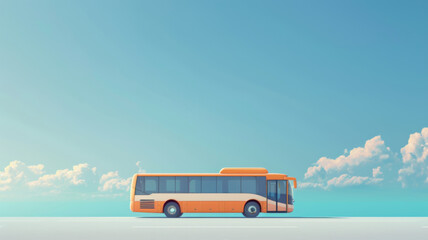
(244, 171)
(225, 172)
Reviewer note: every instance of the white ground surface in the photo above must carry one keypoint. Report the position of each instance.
(77, 228)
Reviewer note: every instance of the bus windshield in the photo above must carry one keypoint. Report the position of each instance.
(290, 189)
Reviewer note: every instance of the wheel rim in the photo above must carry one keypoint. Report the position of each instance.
(172, 210)
(252, 209)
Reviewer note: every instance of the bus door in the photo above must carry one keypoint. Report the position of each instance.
(276, 196)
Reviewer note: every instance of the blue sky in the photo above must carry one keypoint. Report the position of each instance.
(194, 86)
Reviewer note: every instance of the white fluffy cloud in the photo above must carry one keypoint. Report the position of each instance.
(377, 172)
(328, 172)
(416, 149)
(78, 175)
(346, 180)
(372, 164)
(140, 168)
(311, 185)
(415, 160)
(17, 172)
(111, 181)
(373, 150)
(81, 179)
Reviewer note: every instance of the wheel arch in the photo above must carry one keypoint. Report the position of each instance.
(252, 200)
(171, 200)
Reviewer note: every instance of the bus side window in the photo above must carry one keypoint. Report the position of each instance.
(151, 185)
(139, 186)
(181, 184)
(195, 184)
(229, 184)
(249, 185)
(209, 184)
(234, 184)
(166, 184)
(221, 184)
(261, 186)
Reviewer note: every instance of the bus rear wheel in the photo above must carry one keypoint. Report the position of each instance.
(251, 209)
(172, 210)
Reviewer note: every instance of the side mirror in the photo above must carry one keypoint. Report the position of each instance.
(292, 179)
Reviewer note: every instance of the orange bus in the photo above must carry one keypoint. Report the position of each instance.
(234, 190)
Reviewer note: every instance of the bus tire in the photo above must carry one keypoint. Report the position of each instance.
(172, 210)
(251, 209)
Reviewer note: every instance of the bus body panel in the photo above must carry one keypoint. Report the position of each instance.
(202, 206)
(200, 202)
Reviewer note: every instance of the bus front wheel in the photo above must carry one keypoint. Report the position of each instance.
(251, 209)
(172, 209)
